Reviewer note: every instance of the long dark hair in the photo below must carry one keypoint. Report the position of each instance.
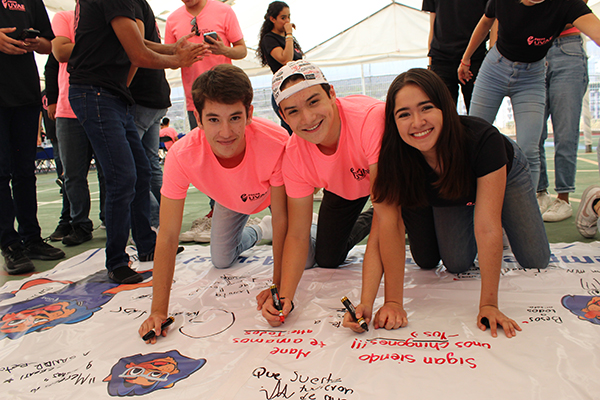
(272, 11)
(401, 179)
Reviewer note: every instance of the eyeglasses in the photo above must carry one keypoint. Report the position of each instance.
(151, 375)
(195, 27)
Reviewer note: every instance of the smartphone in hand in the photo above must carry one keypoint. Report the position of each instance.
(212, 35)
(29, 34)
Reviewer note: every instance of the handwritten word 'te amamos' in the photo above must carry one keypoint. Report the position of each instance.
(279, 337)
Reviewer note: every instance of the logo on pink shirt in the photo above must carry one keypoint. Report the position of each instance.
(13, 5)
(360, 173)
(252, 197)
(537, 41)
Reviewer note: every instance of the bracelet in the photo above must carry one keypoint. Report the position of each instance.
(466, 65)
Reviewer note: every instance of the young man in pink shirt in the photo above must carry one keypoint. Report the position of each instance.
(236, 160)
(335, 146)
(200, 17)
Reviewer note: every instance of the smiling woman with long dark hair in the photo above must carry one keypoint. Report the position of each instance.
(451, 183)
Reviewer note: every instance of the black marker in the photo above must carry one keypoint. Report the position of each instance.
(485, 322)
(277, 302)
(151, 334)
(350, 307)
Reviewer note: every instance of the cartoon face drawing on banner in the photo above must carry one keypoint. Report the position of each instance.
(41, 317)
(144, 373)
(75, 302)
(585, 307)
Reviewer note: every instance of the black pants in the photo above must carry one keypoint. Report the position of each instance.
(448, 71)
(342, 225)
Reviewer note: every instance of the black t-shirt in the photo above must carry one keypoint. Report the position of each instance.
(51, 77)
(487, 151)
(98, 58)
(273, 40)
(149, 87)
(525, 33)
(19, 77)
(454, 23)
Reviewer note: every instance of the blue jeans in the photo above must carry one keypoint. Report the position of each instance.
(76, 154)
(525, 84)
(229, 236)
(65, 212)
(147, 121)
(566, 82)
(18, 147)
(109, 125)
(447, 233)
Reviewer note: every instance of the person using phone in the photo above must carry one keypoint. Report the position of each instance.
(20, 107)
(277, 45)
(200, 17)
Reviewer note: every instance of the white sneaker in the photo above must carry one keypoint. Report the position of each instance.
(199, 232)
(544, 201)
(188, 236)
(586, 220)
(266, 226)
(202, 230)
(558, 211)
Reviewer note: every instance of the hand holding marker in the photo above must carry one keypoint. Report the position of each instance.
(350, 307)
(152, 333)
(277, 302)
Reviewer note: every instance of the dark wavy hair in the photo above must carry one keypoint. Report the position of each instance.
(401, 179)
(223, 83)
(272, 11)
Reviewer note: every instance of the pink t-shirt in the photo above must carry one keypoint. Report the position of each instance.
(245, 188)
(346, 172)
(170, 132)
(63, 24)
(215, 16)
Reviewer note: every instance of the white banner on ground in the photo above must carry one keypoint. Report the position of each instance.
(70, 334)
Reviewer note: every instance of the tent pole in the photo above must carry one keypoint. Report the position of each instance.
(362, 79)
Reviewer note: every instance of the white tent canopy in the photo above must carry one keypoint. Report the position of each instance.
(405, 32)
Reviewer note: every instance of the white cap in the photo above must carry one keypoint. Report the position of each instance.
(311, 73)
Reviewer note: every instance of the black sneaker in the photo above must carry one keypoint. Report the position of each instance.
(150, 257)
(60, 232)
(125, 275)
(77, 236)
(15, 261)
(40, 250)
